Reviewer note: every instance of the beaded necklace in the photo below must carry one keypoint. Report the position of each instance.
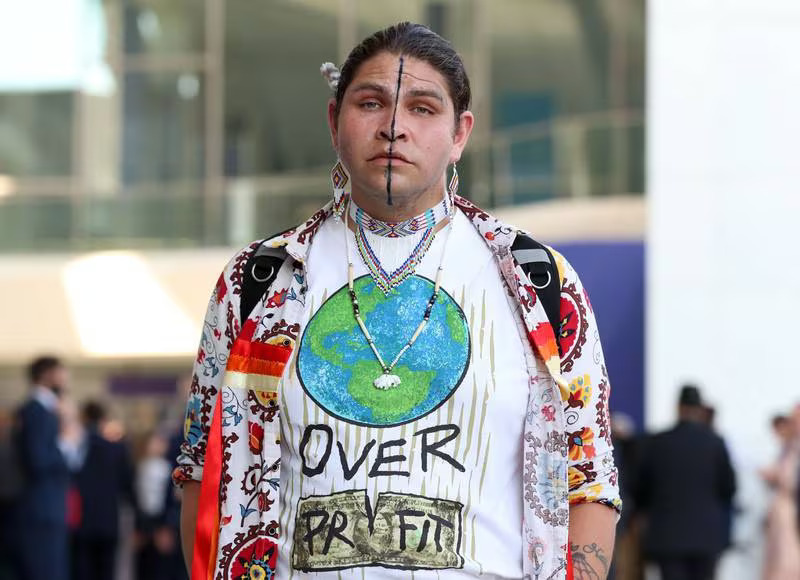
(425, 222)
(388, 379)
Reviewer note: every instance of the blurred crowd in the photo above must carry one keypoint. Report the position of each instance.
(679, 488)
(79, 500)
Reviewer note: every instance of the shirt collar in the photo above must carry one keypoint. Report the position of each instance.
(497, 235)
(297, 241)
(46, 397)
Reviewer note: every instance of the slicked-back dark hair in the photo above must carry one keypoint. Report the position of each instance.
(93, 413)
(41, 365)
(420, 42)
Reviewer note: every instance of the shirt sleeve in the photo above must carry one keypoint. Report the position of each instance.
(593, 475)
(221, 326)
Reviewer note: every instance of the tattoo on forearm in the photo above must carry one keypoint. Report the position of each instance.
(589, 562)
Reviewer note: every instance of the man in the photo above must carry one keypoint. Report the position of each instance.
(42, 512)
(423, 414)
(103, 479)
(686, 488)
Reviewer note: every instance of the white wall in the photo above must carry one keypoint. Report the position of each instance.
(724, 220)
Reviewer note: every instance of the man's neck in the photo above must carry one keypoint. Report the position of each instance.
(401, 209)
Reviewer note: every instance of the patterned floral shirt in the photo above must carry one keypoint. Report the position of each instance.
(232, 433)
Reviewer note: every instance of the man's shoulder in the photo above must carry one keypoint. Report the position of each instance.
(240, 258)
(689, 431)
(96, 439)
(31, 407)
(290, 243)
(246, 252)
(665, 437)
(31, 415)
(496, 232)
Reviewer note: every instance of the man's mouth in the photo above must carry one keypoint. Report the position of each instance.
(394, 157)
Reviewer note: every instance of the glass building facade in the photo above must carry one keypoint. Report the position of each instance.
(191, 123)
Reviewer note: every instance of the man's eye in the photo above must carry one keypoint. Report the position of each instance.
(370, 105)
(422, 110)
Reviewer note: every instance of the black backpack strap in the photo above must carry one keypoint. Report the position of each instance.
(259, 273)
(539, 265)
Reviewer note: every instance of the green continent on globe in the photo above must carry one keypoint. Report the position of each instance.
(454, 321)
(390, 405)
(339, 318)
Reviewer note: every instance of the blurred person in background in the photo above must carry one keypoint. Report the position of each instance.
(103, 479)
(11, 482)
(171, 523)
(782, 542)
(73, 432)
(685, 489)
(628, 564)
(159, 555)
(43, 446)
(158, 542)
(398, 120)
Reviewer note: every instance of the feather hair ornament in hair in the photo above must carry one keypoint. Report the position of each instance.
(331, 74)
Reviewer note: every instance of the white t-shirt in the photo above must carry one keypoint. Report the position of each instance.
(426, 476)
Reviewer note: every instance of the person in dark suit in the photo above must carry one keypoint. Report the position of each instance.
(42, 509)
(685, 488)
(103, 480)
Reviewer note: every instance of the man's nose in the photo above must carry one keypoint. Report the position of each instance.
(393, 129)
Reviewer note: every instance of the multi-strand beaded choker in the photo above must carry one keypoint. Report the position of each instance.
(388, 379)
(426, 223)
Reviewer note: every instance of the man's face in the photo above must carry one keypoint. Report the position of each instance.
(426, 136)
(56, 379)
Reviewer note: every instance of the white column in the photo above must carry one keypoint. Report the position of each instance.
(723, 284)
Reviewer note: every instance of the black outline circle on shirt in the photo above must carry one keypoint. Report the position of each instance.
(453, 389)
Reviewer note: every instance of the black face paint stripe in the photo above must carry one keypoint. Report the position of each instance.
(392, 137)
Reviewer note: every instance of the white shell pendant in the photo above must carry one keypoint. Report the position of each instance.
(386, 381)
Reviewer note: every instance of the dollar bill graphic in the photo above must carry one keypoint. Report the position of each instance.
(405, 531)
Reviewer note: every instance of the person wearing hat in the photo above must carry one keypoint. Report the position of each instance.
(685, 489)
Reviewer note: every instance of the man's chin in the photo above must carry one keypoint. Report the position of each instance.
(399, 194)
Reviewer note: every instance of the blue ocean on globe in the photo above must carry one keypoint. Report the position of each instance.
(337, 367)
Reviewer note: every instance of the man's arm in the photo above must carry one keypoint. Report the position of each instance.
(220, 328)
(39, 446)
(591, 540)
(189, 501)
(593, 480)
(726, 474)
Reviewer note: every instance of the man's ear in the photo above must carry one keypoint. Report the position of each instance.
(332, 123)
(461, 135)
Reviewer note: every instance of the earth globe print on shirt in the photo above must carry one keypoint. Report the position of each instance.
(337, 367)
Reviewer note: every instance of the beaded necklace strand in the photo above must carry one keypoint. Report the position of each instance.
(388, 379)
(383, 279)
(425, 223)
